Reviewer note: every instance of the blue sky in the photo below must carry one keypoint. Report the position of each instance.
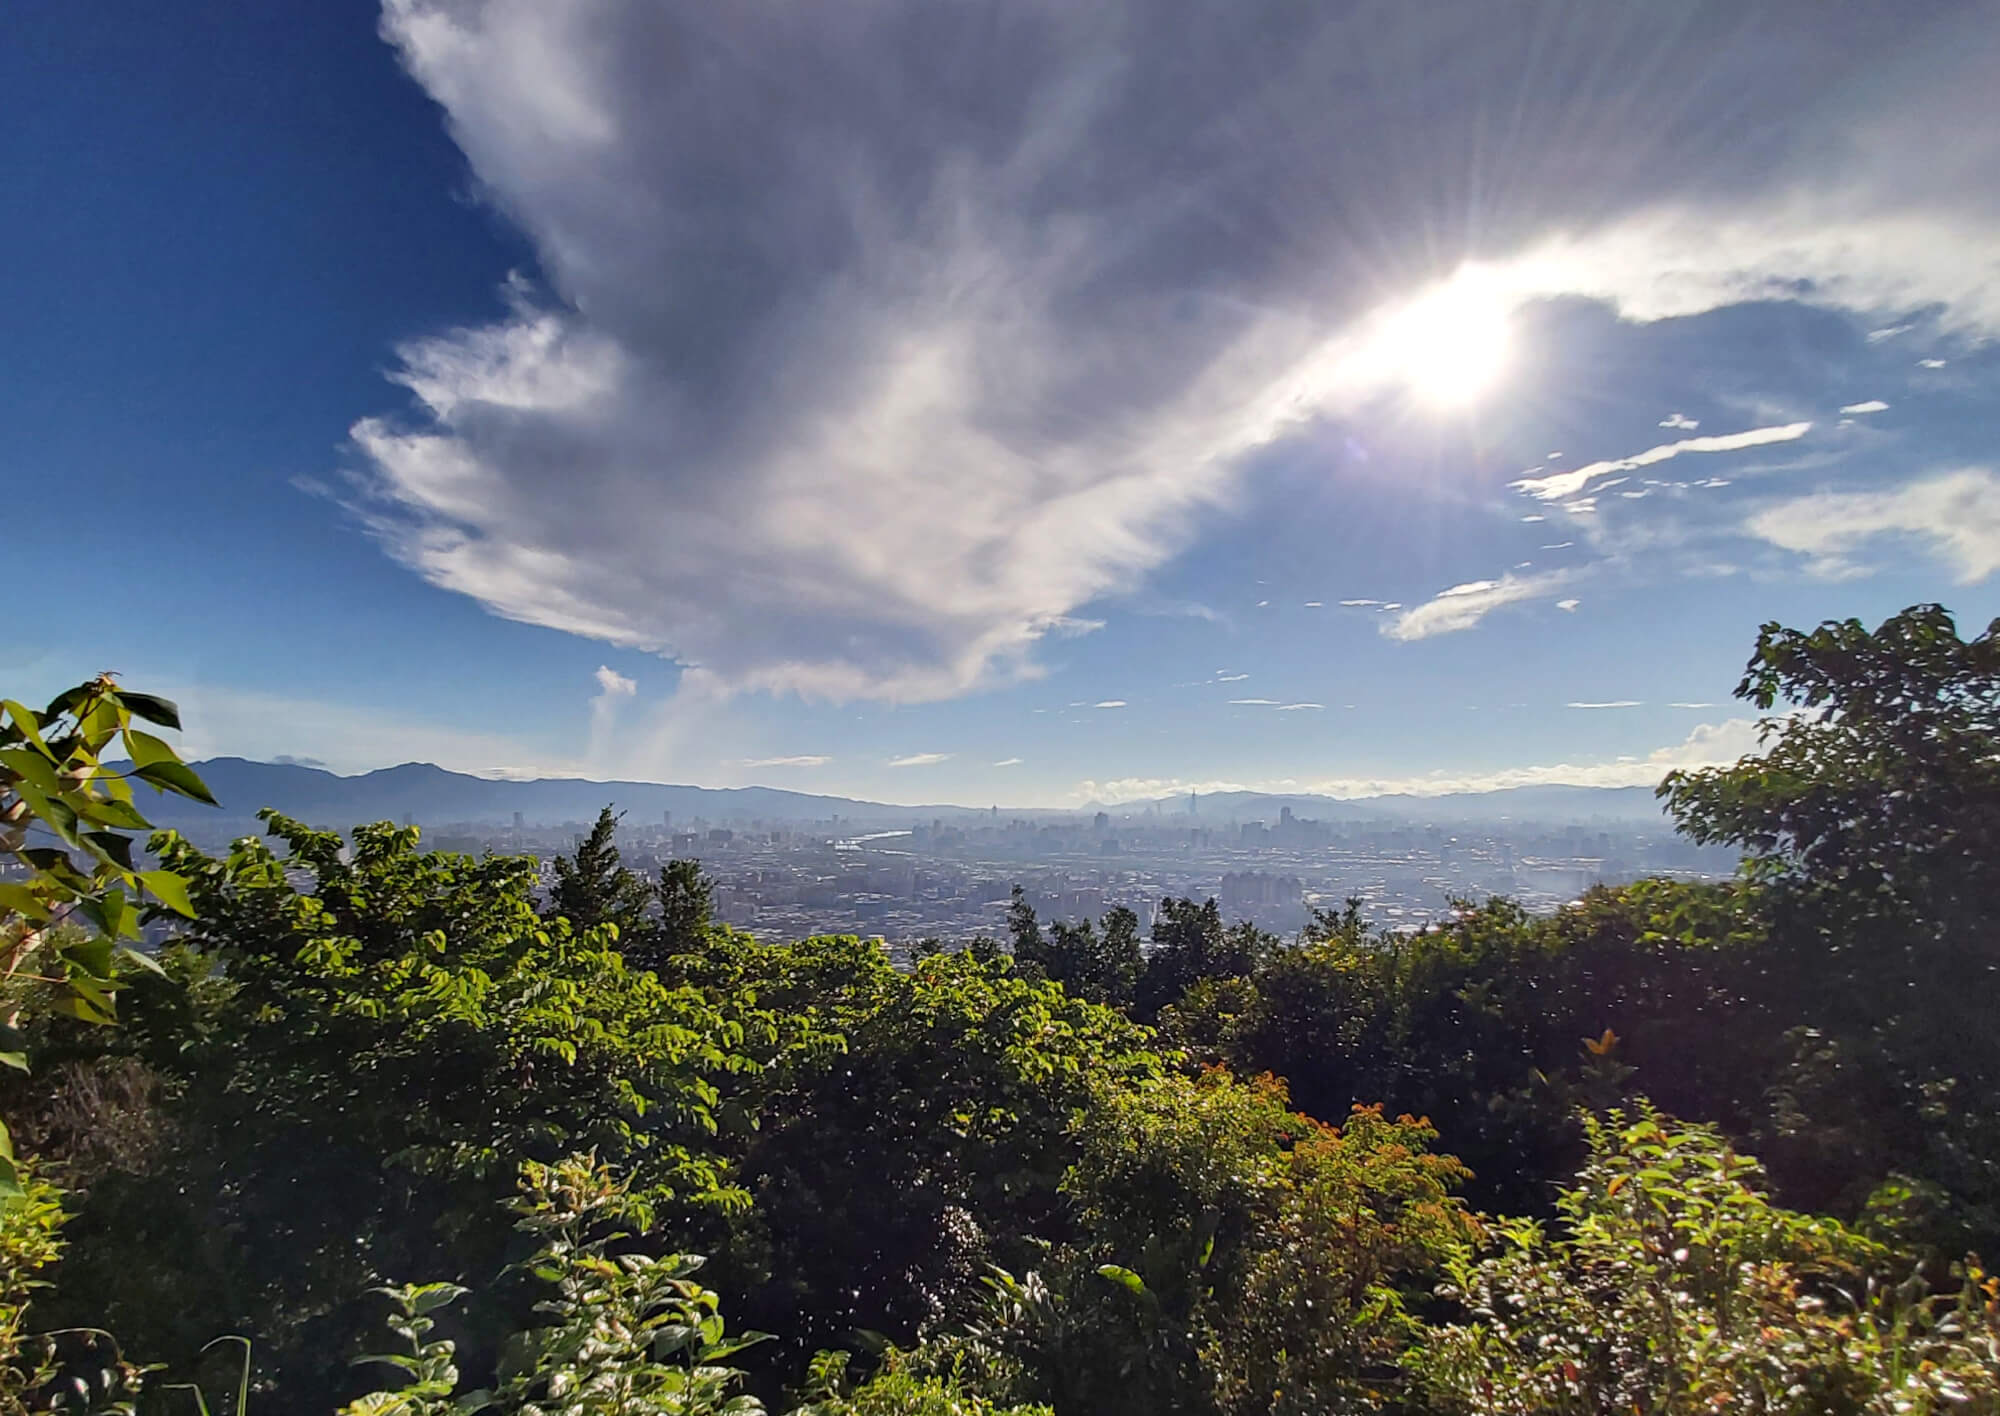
(1025, 402)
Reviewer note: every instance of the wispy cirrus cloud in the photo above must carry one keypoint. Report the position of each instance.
(807, 759)
(920, 759)
(1559, 486)
(1008, 762)
(1463, 606)
(1613, 703)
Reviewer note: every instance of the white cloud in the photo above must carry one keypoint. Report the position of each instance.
(1930, 363)
(614, 684)
(1361, 604)
(1300, 707)
(1876, 336)
(1957, 514)
(1464, 606)
(1690, 705)
(920, 759)
(1873, 405)
(614, 691)
(810, 759)
(1559, 485)
(855, 375)
(1008, 762)
(1680, 421)
(1110, 703)
(1253, 702)
(1230, 678)
(1615, 703)
(1568, 606)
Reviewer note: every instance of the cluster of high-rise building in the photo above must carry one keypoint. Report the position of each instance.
(952, 881)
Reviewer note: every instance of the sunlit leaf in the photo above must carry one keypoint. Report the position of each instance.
(175, 777)
(169, 889)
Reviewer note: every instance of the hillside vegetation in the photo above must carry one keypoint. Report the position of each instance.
(382, 1131)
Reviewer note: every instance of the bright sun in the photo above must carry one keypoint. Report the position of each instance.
(1452, 343)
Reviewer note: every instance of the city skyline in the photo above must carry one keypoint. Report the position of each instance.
(1035, 405)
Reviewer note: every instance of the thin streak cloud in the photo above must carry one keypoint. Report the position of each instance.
(1561, 485)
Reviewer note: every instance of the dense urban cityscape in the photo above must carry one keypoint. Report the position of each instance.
(951, 882)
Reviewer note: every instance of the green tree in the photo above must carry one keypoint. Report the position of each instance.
(1024, 932)
(888, 1170)
(593, 888)
(1227, 1255)
(1882, 778)
(1101, 964)
(1673, 1285)
(372, 1039)
(687, 907)
(1872, 822)
(626, 1331)
(1191, 943)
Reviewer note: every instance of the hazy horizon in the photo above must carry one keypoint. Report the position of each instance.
(1169, 801)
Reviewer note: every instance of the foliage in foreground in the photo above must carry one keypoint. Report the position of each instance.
(1675, 1286)
(1042, 1205)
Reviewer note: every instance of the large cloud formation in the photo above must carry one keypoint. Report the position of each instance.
(872, 339)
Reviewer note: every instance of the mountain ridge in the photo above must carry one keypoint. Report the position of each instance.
(430, 794)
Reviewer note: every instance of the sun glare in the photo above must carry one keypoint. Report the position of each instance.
(1451, 344)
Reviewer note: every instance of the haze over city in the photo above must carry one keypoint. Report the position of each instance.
(1031, 404)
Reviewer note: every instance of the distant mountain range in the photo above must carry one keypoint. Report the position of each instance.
(433, 796)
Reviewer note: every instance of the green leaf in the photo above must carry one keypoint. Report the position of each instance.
(26, 722)
(152, 708)
(175, 776)
(143, 960)
(94, 955)
(57, 866)
(11, 1189)
(31, 767)
(52, 812)
(1123, 1276)
(86, 1009)
(169, 889)
(121, 814)
(111, 846)
(147, 749)
(23, 900)
(432, 1296)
